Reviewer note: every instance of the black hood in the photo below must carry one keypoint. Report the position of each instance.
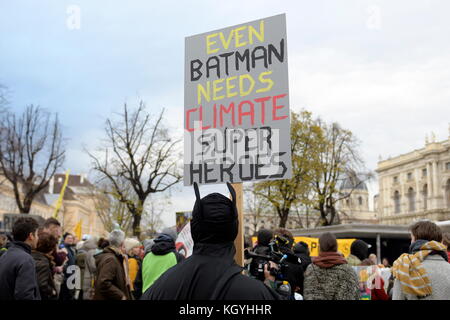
(264, 237)
(214, 218)
(163, 245)
(300, 248)
(360, 249)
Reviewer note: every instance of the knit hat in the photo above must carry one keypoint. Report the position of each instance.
(171, 232)
(360, 249)
(214, 218)
(148, 244)
(131, 243)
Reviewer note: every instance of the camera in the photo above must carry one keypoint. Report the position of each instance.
(274, 254)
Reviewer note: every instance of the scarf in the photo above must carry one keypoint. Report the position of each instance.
(328, 259)
(409, 270)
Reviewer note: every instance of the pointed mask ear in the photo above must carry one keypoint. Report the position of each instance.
(197, 192)
(233, 193)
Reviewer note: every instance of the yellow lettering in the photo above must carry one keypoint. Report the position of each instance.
(226, 43)
(269, 81)
(231, 86)
(201, 91)
(217, 89)
(242, 92)
(238, 36)
(252, 31)
(209, 43)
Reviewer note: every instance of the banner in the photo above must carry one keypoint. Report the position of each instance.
(236, 99)
(61, 195)
(184, 244)
(77, 230)
(344, 245)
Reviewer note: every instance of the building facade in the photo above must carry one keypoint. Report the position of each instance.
(354, 205)
(78, 205)
(415, 185)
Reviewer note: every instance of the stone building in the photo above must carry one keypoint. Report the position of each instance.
(354, 206)
(415, 185)
(78, 204)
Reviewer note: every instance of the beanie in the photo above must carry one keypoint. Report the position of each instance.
(360, 249)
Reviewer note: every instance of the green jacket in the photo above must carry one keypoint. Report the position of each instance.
(154, 266)
(353, 261)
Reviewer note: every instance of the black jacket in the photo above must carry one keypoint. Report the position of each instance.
(257, 263)
(44, 268)
(18, 274)
(294, 273)
(210, 273)
(302, 253)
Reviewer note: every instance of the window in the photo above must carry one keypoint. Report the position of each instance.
(397, 201)
(411, 200)
(409, 175)
(447, 192)
(395, 179)
(360, 201)
(425, 196)
(424, 172)
(447, 166)
(347, 202)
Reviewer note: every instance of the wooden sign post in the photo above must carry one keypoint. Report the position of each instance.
(239, 241)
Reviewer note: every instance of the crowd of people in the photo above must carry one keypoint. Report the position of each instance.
(38, 262)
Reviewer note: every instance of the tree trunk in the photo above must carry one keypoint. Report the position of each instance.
(137, 225)
(284, 214)
(137, 216)
(323, 214)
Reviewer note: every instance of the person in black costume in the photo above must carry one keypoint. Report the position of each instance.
(261, 248)
(210, 273)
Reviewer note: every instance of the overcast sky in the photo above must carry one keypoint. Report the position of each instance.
(379, 68)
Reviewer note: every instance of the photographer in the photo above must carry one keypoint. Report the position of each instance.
(276, 264)
(262, 248)
(293, 269)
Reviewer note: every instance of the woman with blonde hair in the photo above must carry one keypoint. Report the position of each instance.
(133, 249)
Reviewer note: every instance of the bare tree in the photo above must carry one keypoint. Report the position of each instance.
(256, 207)
(339, 159)
(31, 152)
(110, 209)
(140, 150)
(152, 218)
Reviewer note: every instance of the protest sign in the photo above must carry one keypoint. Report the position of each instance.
(236, 100)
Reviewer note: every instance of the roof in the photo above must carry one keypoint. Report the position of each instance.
(352, 182)
(77, 184)
(357, 230)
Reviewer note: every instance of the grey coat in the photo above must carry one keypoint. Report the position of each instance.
(438, 271)
(336, 283)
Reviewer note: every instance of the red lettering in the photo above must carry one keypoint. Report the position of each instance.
(201, 119)
(250, 113)
(188, 128)
(230, 109)
(275, 107)
(263, 107)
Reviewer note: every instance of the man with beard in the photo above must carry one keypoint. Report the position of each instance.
(210, 273)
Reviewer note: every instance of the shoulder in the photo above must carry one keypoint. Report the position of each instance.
(107, 258)
(243, 287)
